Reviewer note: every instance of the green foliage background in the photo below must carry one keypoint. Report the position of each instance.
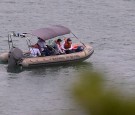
(90, 92)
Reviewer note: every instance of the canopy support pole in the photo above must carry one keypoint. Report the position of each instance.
(78, 39)
(10, 41)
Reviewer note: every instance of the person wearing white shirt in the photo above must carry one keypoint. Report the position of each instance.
(34, 51)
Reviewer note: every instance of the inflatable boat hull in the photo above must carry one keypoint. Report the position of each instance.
(55, 59)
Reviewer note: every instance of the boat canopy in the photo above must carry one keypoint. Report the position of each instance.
(51, 32)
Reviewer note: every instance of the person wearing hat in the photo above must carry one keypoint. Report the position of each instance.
(41, 44)
(67, 46)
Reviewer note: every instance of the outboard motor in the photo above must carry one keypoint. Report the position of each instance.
(15, 55)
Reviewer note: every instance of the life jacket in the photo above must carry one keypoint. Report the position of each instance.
(75, 46)
(67, 44)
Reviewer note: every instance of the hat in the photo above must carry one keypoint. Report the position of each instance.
(40, 39)
(69, 39)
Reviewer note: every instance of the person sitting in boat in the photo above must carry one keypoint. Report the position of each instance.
(41, 44)
(44, 50)
(58, 47)
(34, 51)
(67, 46)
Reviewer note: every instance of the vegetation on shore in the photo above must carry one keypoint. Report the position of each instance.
(96, 99)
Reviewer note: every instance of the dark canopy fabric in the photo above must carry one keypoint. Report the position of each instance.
(51, 32)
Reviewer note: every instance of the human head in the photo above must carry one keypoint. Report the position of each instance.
(69, 40)
(59, 40)
(35, 46)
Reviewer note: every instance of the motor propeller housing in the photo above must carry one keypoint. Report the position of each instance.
(15, 55)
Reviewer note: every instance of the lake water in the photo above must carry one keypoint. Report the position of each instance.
(109, 25)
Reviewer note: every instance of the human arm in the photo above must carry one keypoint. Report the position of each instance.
(62, 46)
(38, 52)
(71, 47)
(60, 49)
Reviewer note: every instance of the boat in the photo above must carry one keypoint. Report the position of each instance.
(18, 56)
